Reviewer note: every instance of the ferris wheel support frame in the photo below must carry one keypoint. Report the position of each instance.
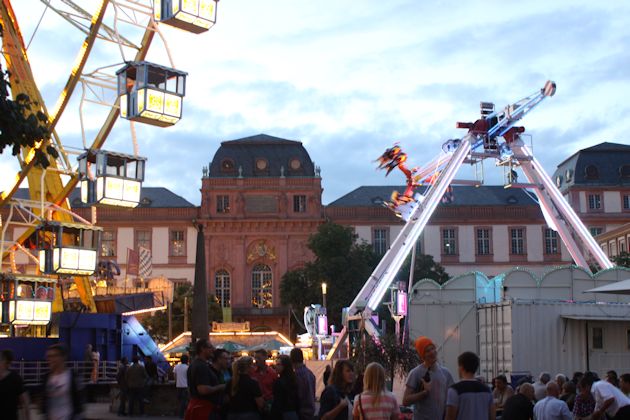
(57, 191)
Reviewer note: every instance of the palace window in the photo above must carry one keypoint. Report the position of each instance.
(449, 242)
(108, 244)
(379, 241)
(223, 203)
(262, 282)
(177, 243)
(551, 241)
(143, 239)
(222, 288)
(299, 203)
(594, 202)
(483, 241)
(517, 240)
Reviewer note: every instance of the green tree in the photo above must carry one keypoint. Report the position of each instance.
(157, 324)
(425, 268)
(22, 123)
(397, 359)
(622, 260)
(340, 262)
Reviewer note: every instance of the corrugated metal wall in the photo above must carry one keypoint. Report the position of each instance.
(524, 329)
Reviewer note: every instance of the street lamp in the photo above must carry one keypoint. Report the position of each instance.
(324, 290)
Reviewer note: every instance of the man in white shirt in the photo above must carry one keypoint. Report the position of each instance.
(610, 400)
(550, 407)
(181, 383)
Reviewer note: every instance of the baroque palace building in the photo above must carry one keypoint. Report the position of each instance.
(261, 199)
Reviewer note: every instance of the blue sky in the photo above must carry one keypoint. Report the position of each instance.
(349, 78)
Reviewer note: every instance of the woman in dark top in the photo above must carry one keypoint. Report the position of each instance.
(334, 404)
(245, 397)
(285, 394)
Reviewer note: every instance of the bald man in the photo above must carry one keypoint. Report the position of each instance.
(550, 407)
(521, 405)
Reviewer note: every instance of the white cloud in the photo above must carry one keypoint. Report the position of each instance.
(359, 75)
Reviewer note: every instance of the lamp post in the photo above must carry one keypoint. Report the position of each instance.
(324, 290)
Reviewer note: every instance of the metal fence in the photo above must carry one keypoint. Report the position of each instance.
(32, 373)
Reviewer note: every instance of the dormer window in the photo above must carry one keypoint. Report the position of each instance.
(227, 165)
(261, 164)
(568, 175)
(591, 172)
(624, 171)
(558, 181)
(295, 164)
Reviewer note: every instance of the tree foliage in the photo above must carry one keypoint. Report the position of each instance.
(22, 123)
(425, 268)
(622, 260)
(157, 324)
(342, 263)
(397, 359)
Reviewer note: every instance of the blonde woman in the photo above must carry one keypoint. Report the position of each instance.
(375, 402)
(245, 398)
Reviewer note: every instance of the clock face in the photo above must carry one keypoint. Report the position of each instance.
(261, 164)
(295, 164)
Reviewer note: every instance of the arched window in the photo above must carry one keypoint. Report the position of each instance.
(262, 281)
(222, 288)
(591, 172)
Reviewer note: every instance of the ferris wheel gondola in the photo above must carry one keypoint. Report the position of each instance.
(52, 186)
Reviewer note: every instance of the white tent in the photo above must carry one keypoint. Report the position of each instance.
(618, 288)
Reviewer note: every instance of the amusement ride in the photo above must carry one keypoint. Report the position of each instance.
(63, 245)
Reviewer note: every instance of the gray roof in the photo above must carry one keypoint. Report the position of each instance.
(246, 152)
(605, 164)
(493, 195)
(150, 197)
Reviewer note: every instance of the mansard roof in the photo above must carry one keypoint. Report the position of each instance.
(490, 195)
(603, 165)
(151, 197)
(261, 156)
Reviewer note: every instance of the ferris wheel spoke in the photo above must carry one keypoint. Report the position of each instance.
(77, 69)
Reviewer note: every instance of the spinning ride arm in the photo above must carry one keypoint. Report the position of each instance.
(561, 213)
(487, 128)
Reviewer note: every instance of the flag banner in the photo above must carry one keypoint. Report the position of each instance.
(133, 262)
(145, 265)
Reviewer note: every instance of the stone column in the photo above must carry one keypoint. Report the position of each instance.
(200, 298)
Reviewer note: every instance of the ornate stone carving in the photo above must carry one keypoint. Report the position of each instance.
(259, 250)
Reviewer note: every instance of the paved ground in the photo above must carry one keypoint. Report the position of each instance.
(100, 411)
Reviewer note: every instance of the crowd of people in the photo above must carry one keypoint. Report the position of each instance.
(287, 391)
(213, 387)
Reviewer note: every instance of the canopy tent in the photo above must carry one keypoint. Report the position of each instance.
(179, 349)
(618, 288)
(270, 345)
(231, 346)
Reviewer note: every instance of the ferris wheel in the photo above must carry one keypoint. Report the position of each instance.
(110, 72)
